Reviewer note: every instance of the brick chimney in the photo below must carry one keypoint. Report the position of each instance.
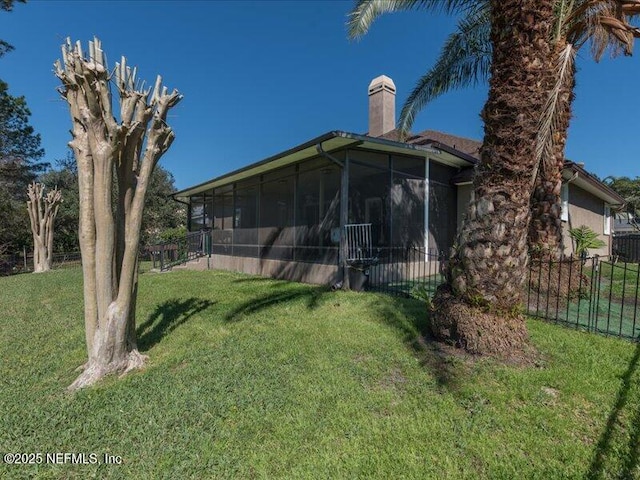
(382, 106)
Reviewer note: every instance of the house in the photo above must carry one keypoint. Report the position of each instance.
(283, 216)
(625, 223)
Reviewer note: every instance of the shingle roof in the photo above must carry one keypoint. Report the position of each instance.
(461, 144)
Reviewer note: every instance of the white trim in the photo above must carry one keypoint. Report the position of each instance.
(607, 219)
(426, 207)
(564, 197)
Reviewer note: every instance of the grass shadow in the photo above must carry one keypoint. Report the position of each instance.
(406, 315)
(166, 317)
(606, 447)
(410, 317)
(312, 294)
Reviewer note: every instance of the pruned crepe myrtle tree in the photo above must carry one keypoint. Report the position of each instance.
(105, 148)
(43, 210)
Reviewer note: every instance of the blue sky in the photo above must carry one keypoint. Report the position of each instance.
(261, 77)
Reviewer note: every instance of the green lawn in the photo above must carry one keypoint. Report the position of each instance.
(620, 281)
(255, 378)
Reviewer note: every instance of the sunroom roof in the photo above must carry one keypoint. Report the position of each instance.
(328, 142)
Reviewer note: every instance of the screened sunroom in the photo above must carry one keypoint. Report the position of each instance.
(285, 216)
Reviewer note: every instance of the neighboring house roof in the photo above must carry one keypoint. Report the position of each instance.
(625, 222)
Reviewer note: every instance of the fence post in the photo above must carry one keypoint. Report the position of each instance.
(24, 256)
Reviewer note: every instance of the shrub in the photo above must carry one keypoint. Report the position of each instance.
(585, 239)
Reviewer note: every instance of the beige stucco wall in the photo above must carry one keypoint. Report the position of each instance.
(585, 209)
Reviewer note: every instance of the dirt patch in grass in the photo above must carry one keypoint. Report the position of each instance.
(395, 379)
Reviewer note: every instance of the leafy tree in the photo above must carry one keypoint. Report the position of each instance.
(126, 148)
(629, 189)
(174, 235)
(7, 6)
(20, 155)
(160, 212)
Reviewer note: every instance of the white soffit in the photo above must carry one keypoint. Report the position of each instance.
(587, 186)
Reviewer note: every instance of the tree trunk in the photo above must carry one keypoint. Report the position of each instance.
(43, 210)
(478, 307)
(109, 239)
(545, 228)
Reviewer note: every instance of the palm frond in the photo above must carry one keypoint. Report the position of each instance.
(605, 24)
(365, 12)
(548, 124)
(464, 60)
(630, 7)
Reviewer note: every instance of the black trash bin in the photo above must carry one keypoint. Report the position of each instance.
(358, 279)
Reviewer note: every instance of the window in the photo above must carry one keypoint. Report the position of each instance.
(607, 219)
(564, 197)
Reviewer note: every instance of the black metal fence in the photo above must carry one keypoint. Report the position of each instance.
(407, 271)
(169, 254)
(595, 294)
(23, 262)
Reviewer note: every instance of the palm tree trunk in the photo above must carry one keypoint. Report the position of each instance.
(478, 307)
(545, 229)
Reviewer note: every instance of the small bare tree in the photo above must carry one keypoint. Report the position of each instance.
(127, 150)
(42, 213)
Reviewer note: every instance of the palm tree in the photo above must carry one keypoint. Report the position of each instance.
(477, 308)
(605, 24)
(465, 60)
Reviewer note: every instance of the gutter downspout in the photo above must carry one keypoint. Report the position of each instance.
(562, 245)
(328, 156)
(344, 201)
